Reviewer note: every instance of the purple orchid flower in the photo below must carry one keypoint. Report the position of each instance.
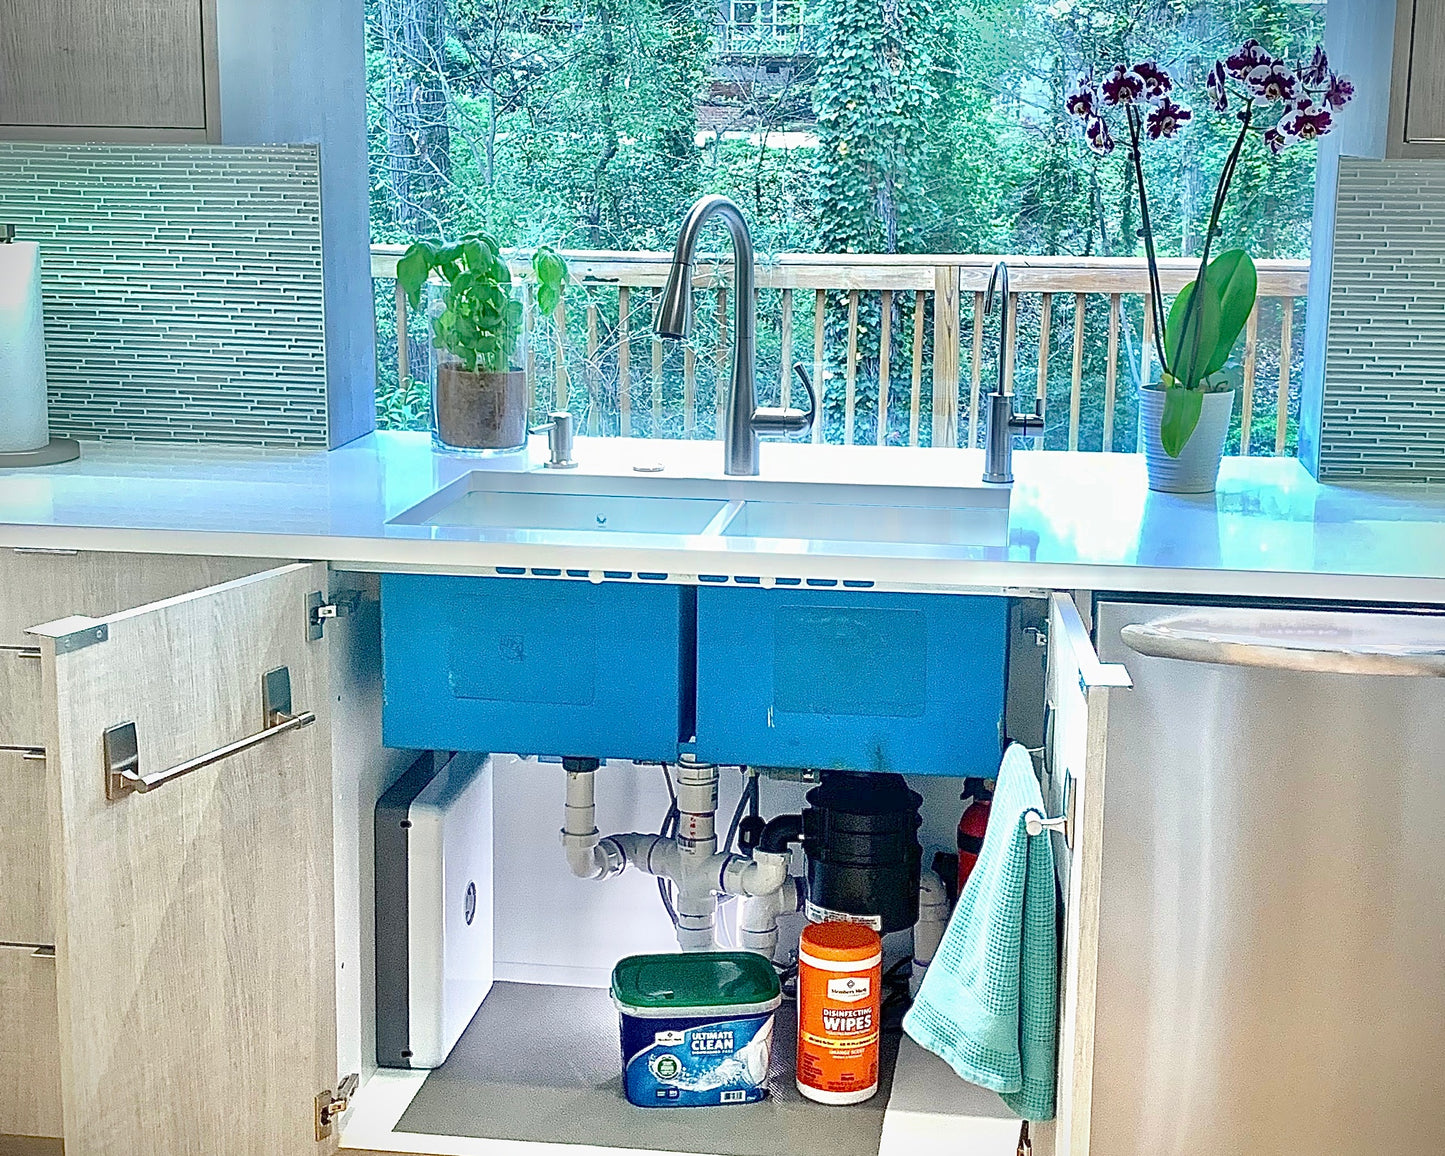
(1273, 81)
(1338, 91)
(1308, 121)
(1122, 86)
(1214, 85)
(1166, 119)
(1250, 56)
(1317, 71)
(1276, 141)
(1157, 82)
(1098, 135)
(1082, 100)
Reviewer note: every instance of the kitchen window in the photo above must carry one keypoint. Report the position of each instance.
(869, 146)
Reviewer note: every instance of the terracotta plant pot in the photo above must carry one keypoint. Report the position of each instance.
(480, 409)
(1196, 469)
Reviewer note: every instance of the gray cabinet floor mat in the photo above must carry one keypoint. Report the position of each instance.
(543, 1063)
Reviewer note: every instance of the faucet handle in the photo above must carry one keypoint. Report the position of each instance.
(770, 419)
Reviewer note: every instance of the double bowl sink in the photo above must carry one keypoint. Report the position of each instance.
(717, 510)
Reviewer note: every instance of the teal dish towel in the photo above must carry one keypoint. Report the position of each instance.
(989, 1003)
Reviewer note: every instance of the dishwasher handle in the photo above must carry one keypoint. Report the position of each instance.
(1318, 641)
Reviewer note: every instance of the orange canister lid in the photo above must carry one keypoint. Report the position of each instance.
(841, 942)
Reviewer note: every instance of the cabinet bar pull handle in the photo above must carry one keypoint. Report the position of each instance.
(122, 758)
(23, 651)
(29, 753)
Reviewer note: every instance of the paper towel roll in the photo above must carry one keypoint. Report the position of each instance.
(23, 422)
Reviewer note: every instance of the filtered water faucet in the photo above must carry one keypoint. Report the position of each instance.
(743, 418)
(1003, 423)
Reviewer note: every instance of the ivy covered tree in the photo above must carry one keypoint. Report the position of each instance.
(879, 74)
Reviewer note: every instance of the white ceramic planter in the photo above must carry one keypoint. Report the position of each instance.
(1196, 469)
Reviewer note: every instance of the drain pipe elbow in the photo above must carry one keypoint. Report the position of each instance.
(781, 833)
(758, 917)
(761, 875)
(588, 855)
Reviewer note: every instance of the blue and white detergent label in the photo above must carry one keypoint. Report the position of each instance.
(681, 1063)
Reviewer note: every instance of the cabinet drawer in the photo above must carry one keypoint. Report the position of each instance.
(29, 1044)
(20, 719)
(25, 883)
(851, 680)
(42, 585)
(535, 666)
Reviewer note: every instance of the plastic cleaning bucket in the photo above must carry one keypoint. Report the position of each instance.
(697, 1028)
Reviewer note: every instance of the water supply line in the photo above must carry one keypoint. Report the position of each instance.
(689, 859)
(933, 912)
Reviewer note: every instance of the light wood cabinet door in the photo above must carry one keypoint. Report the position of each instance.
(99, 64)
(25, 884)
(195, 923)
(1425, 88)
(1417, 80)
(39, 585)
(1079, 686)
(29, 1044)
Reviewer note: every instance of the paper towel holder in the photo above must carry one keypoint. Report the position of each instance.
(57, 450)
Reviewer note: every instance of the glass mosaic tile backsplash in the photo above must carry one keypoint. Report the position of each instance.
(182, 288)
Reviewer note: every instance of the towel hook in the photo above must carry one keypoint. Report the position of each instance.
(1036, 823)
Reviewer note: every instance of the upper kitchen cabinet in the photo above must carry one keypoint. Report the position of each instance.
(145, 70)
(1417, 89)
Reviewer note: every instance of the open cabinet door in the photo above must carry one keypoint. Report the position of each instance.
(194, 918)
(1079, 686)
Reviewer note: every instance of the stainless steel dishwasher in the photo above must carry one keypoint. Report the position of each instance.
(1271, 973)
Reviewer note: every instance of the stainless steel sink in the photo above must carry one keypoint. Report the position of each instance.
(848, 522)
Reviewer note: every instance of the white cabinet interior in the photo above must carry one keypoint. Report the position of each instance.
(552, 929)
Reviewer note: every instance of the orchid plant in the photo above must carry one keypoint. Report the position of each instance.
(1276, 103)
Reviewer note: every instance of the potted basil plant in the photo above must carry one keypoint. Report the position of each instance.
(479, 401)
(1185, 415)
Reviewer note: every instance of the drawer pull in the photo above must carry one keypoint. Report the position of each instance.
(122, 757)
(29, 754)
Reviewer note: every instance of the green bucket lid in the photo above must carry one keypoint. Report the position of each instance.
(694, 979)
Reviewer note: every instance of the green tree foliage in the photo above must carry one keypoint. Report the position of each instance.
(874, 126)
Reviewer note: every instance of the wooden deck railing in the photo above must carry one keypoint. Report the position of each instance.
(936, 356)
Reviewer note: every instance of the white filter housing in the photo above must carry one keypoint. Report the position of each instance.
(446, 831)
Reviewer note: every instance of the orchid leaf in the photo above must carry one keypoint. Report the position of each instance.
(1189, 353)
(1182, 408)
(1232, 276)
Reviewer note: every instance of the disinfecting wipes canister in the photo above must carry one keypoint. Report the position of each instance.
(840, 1001)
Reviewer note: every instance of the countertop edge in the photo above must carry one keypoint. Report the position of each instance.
(943, 575)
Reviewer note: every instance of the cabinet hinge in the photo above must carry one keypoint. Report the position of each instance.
(331, 1106)
(343, 604)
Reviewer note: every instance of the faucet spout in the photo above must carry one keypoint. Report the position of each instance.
(1003, 422)
(742, 419)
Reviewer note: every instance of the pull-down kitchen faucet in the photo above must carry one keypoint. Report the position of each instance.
(1003, 423)
(743, 419)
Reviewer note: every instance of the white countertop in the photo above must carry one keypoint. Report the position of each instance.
(1075, 521)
